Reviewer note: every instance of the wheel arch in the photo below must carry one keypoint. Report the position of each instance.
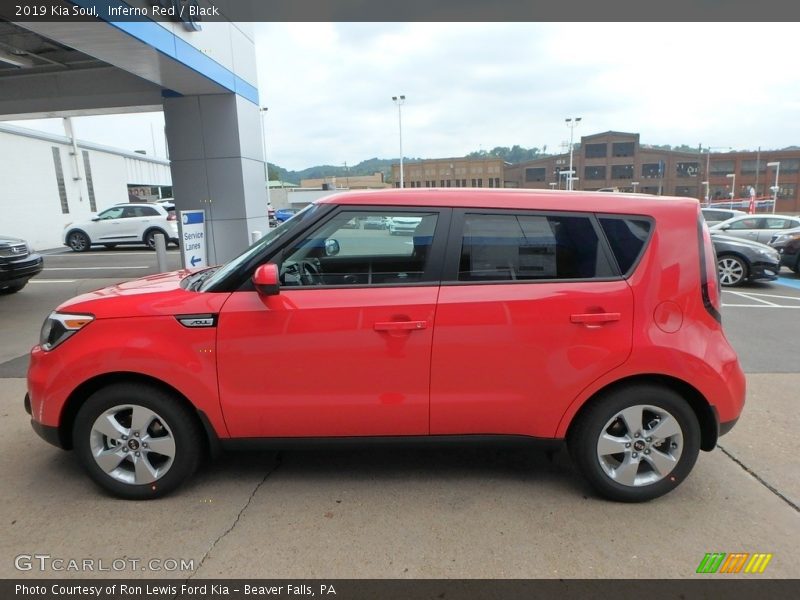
(76, 230)
(703, 410)
(157, 229)
(80, 394)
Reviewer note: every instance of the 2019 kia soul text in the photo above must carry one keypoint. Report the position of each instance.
(585, 318)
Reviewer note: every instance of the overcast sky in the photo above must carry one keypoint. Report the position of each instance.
(469, 86)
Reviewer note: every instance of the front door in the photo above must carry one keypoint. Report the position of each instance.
(344, 348)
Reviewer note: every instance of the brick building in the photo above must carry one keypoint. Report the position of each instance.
(452, 172)
(617, 160)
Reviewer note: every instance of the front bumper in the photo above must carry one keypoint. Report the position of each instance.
(48, 433)
(764, 271)
(13, 270)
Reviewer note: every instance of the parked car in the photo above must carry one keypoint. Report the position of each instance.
(375, 223)
(18, 263)
(740, 260)
(718, 215)
(757, 228)
(284, 214)
(128, 223)
(584, 318)
(400, 225)
(788, 246)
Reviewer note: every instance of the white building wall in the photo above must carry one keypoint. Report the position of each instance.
(30, 205)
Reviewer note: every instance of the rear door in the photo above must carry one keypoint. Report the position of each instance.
(532, 309)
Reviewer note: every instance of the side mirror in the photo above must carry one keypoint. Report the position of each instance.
(95, 218)
(331, 247)
(266, 280)
(725, 227)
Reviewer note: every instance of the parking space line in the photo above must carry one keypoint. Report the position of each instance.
(753, 298)
(52, 281)
(757, 306)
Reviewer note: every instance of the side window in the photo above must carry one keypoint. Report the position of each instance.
(509, 247)
(362, 248)
(627, 238)
(111, 213)
(130, 211)
(746, 224)
(146, 211)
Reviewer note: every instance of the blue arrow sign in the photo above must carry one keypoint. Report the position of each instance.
(195, 260)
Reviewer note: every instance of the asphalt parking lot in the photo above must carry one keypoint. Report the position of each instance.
(443, 513)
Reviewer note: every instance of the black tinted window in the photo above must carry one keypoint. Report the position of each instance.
(627, 238)
(511, 247)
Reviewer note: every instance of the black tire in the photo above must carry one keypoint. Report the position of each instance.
(79, 241)
(149, 238)
(173, 420)
(13, 288)
(600, 418)
(733, 270)
(110, 246)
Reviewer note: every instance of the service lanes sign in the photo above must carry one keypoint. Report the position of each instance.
(193, 238)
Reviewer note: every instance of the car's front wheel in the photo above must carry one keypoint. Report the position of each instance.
(137, 441)
(732, 270)
(79, 241)
(636, 443)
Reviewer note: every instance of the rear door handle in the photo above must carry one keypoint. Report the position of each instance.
(400, 325)
(594, 318)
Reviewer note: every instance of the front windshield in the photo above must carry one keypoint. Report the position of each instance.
(270, 238)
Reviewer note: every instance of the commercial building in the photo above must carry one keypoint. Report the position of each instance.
(47, 181)
(348, 182)
(201, 74)
(451, 172)
(617, 160)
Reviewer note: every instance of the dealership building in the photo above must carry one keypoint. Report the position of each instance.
(202, 75)
(48, 181)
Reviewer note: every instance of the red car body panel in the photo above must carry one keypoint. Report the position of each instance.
(498, 358)
(508, 359)
(311, 362)
(151, 343)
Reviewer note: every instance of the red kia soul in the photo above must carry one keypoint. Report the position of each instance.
(590, 318)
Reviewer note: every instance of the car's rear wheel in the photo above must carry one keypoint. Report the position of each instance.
(636, 443)
(79, 241)
(732, 270)
(137, 441)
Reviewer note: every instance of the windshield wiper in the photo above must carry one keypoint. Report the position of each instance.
(201, 277)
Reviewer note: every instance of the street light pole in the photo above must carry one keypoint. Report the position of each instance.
(708, 199)
(399, 101)
(775, 188)
(571, 123)
(263, 111)
(732, 176)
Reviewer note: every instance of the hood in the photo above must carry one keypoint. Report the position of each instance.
(8, 241)
(735, 241)
(156, 295)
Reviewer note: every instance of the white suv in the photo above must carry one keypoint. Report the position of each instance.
(129, 223)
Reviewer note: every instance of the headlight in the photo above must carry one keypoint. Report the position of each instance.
(769, 253)
(58, 327)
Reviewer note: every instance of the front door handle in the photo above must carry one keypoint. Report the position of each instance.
(594, 318)
(401, 325)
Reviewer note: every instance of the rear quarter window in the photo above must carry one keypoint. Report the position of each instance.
(627, 238)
